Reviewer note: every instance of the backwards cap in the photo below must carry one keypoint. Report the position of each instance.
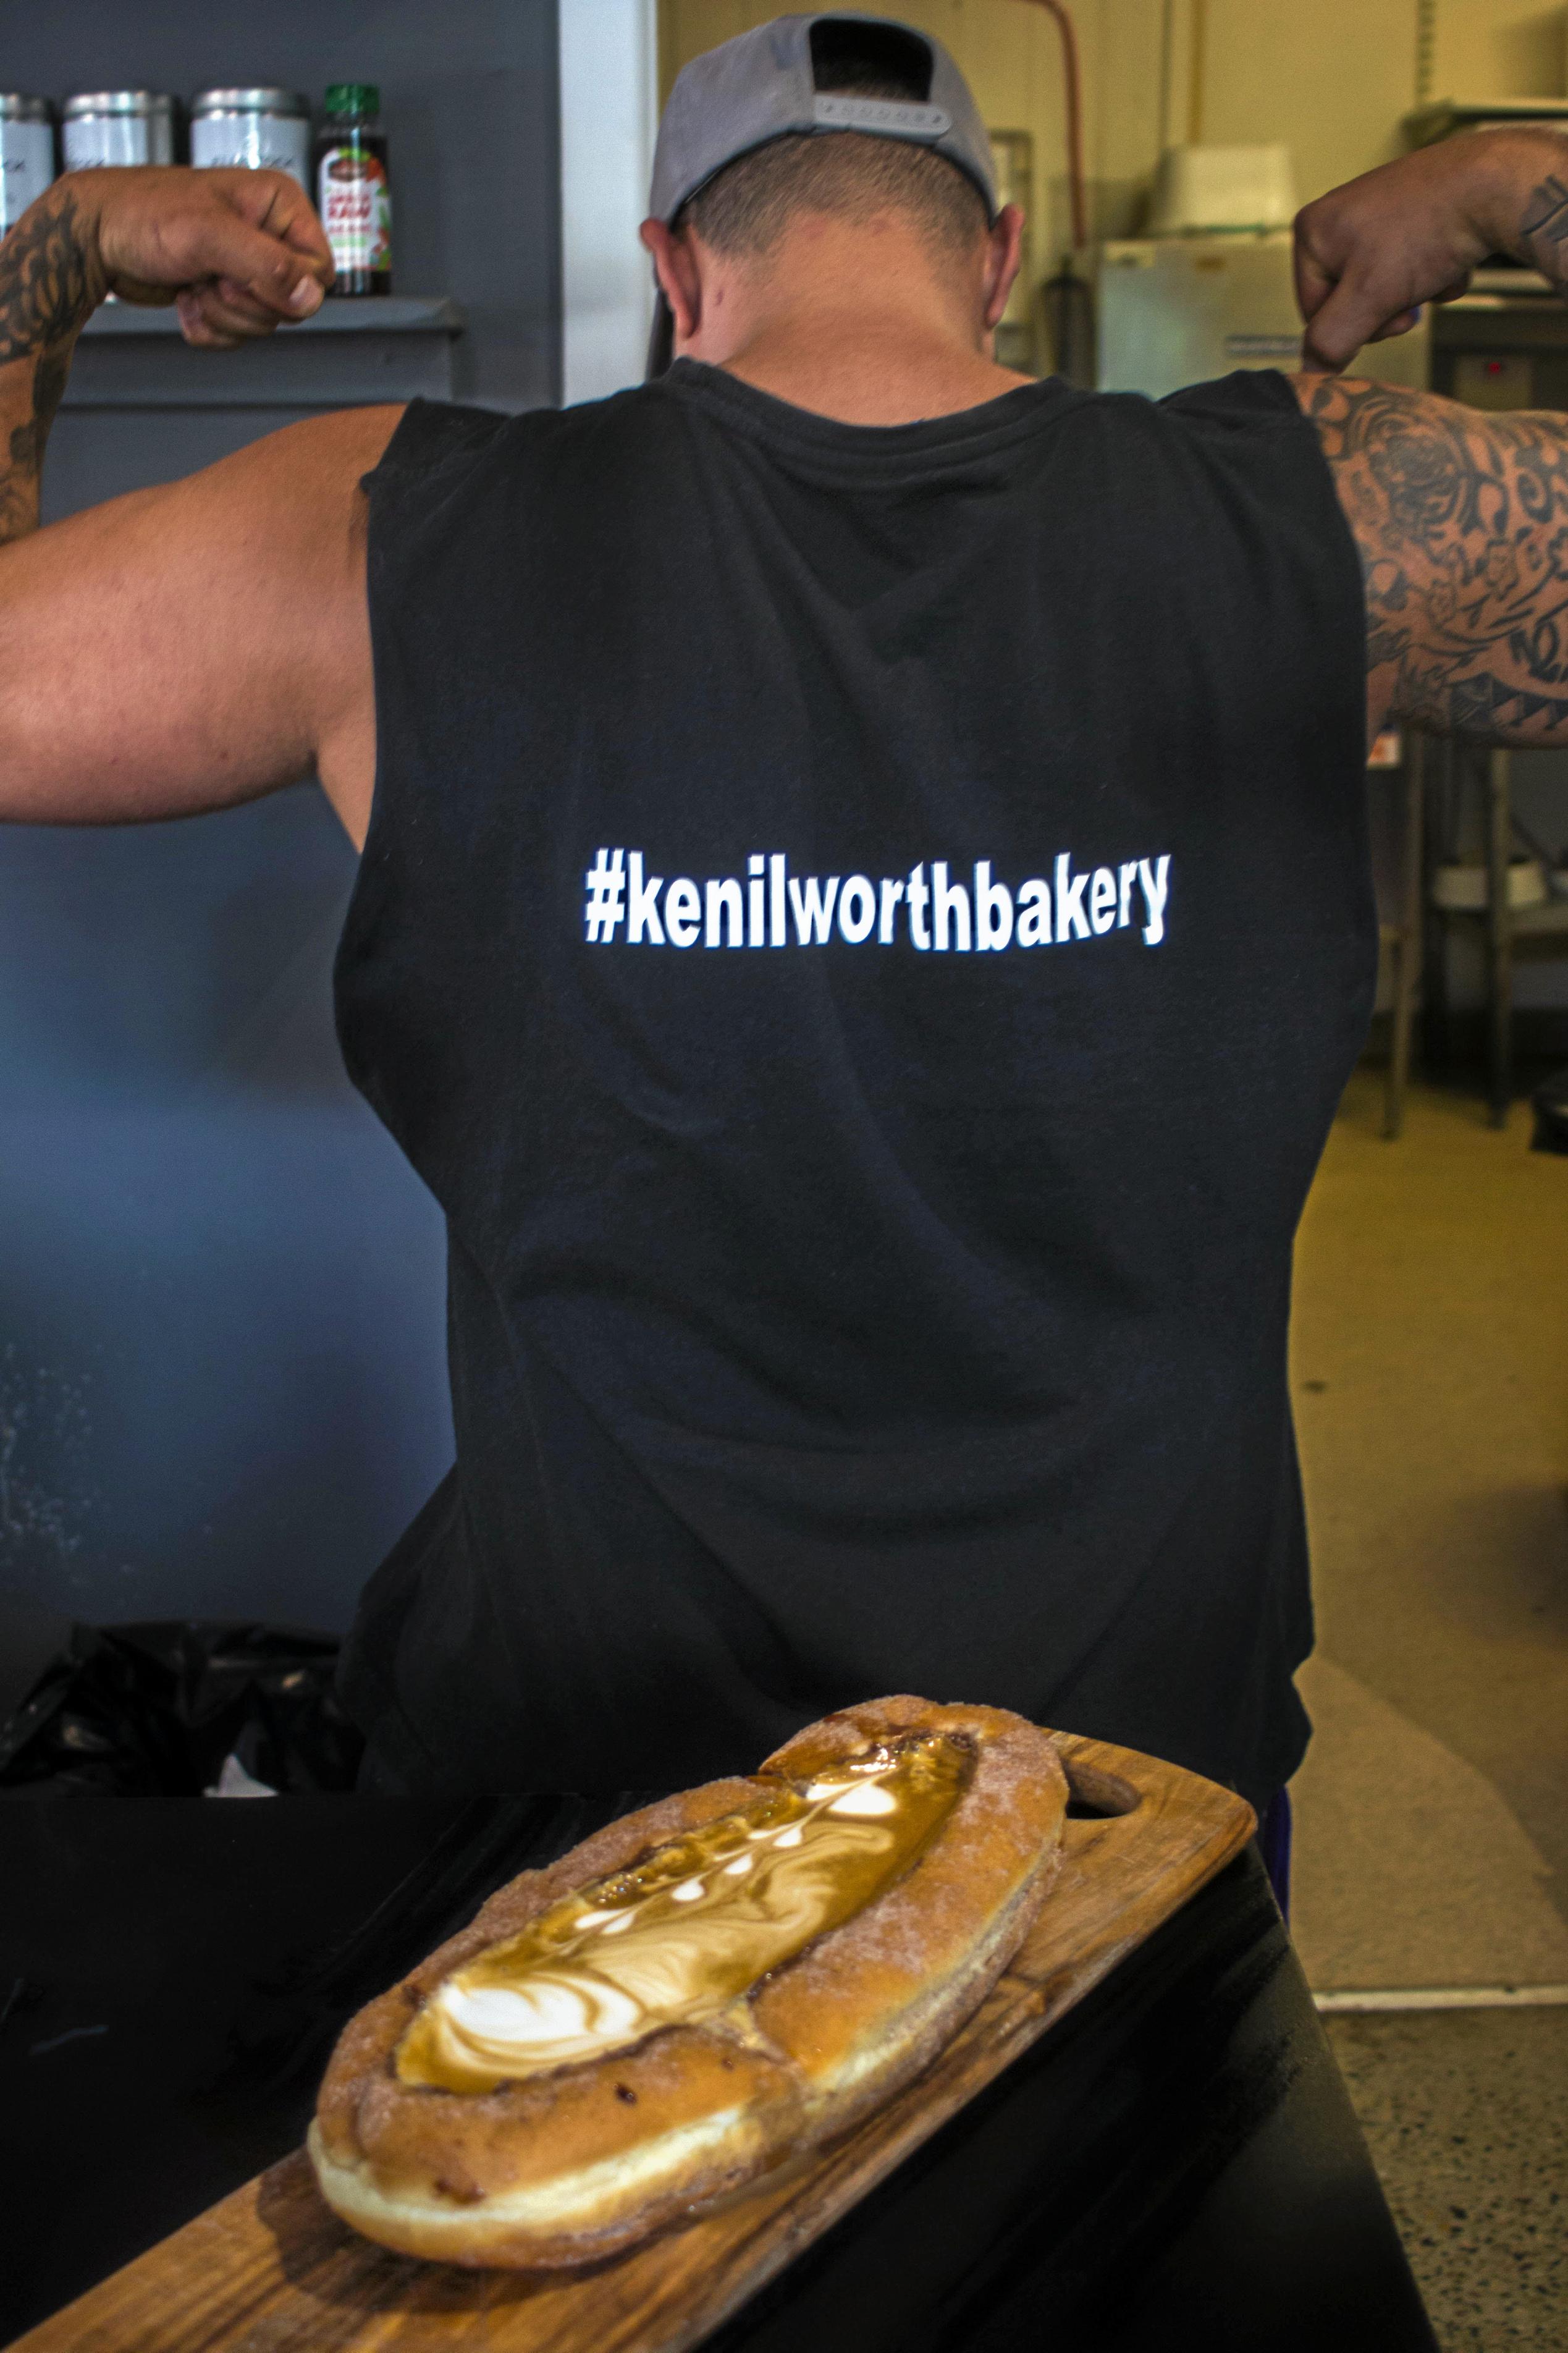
(766, 85)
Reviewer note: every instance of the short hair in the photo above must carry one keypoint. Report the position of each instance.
(745, 209)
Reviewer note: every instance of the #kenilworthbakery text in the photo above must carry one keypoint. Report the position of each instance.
(930, 909)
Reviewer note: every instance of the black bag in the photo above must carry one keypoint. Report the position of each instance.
(155, 1710)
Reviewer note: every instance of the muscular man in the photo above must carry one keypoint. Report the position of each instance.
(864, 918)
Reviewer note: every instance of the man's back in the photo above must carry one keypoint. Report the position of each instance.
(791, 1283)
(864, 931)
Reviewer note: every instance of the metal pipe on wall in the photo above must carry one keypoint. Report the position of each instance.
(1073, 103)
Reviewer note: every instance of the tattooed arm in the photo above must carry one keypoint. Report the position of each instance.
(192, 646)
(48, 284)
(1461, 517)
(1462, 521)
(239, 252)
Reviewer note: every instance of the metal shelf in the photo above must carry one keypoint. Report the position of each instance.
(1444, 116)
(354, 350)
(1503, 928)
(1548, 916)
(375, 314)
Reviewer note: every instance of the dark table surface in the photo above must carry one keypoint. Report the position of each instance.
(1176, 2162)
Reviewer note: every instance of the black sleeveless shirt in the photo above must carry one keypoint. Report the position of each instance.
(863, 931)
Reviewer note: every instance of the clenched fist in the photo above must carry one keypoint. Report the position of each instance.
(1370, 253)
(238, 253)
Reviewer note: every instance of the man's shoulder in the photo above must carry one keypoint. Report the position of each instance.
(457, 437)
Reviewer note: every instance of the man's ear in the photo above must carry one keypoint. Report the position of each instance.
(679, 278)
(1004, 253)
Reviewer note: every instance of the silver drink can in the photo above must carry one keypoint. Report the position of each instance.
(117, 126)
(26, 153)
(254, 130)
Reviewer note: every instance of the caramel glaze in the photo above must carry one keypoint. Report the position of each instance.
(686, 1934)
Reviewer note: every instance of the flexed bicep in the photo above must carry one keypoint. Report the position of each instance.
(188, 647)
(1461, 518)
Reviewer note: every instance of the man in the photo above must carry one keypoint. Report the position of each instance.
(864, 918)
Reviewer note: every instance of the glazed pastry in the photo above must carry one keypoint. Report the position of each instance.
(696, 1994)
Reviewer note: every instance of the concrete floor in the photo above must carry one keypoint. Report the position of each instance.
(1467, 2113)
(1430, 1371)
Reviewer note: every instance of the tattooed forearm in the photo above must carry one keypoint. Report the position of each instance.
(49, 281)
(1462, 522)
(22, 474)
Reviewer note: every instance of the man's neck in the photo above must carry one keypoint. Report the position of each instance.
(855, 325)
(868, 378)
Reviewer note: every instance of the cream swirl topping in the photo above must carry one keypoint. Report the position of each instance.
(690, 1930)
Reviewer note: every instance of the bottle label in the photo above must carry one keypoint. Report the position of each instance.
(356, 208)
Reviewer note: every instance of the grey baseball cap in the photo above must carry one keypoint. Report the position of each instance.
(778, 80)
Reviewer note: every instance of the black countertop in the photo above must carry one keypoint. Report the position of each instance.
(1176, 2162)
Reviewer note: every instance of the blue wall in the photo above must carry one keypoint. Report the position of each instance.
(222, 1345)
(222, 1375)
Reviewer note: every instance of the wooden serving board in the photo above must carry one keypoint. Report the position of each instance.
(272, 2270)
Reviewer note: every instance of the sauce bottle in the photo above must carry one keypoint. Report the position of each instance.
(353, 192)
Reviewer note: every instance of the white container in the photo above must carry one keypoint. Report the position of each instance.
(1200, 189)
(252, 130)
(26, 153)
(102, 127)
(1466, 889)
(1179, 310)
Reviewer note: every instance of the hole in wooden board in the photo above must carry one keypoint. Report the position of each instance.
(1095, 1796)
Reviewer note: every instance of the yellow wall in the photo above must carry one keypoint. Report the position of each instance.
(1497, 48)
(1331, 79)
(1011, 54)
